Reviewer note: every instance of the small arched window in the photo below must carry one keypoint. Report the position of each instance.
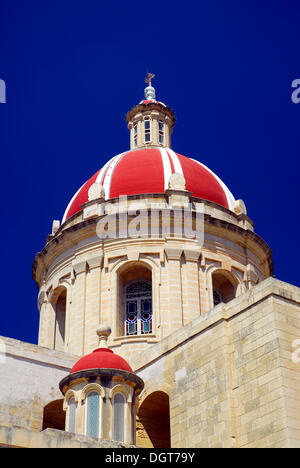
(92, 414)
(135, 136)
(147, 130)
(161, 132)
(119, 417)
(138, 308)
(71, 415)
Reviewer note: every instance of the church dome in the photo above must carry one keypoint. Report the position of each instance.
(101, 358)
(147, 171)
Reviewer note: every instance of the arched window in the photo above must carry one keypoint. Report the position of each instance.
(119, 417)
(71, 415)
(161, 132)
(92, 414)
(147, 130)
(138, 308)
(135, 135)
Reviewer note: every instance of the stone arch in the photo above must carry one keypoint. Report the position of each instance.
(120, 389)
(68, 396)
(54, 416)
(153, 421)
(224, 286)
(92, 387)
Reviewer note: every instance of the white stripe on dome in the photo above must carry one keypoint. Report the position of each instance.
(166, 166)
(108, 176)
(229, 196)
(101, 174)
(69, 205)
(176, 162)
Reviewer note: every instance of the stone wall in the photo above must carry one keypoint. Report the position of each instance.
(30, 376)
(230, 375)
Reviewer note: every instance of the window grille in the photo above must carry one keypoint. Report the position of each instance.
(217, 298)
(138, 308)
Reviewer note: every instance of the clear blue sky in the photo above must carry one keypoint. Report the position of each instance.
(74, 68)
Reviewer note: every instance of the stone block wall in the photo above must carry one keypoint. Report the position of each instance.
(29, 381)
(230, 374)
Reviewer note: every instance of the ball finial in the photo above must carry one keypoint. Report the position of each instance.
(103, 331)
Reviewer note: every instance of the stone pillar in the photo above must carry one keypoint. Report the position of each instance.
(93, 297)
(77, 318)
(175, 288)
(191, 280)
(43, 327)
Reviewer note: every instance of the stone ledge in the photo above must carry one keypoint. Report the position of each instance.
(19, 437)
(22, 350)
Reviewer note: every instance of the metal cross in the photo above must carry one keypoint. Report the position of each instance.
(149, 77)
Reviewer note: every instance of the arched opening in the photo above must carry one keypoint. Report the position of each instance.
(59, 303)
(153, 422)
(54, 415)
(134, 300)
(224, 287)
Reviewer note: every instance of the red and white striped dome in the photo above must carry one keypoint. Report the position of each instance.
(148, 170)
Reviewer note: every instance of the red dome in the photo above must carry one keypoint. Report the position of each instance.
(101, 358)
(148, 171)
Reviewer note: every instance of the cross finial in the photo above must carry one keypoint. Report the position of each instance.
(148, 78)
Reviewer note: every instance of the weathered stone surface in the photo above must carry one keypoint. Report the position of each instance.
(19, 437)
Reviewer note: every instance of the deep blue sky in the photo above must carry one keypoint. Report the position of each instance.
(74, 68)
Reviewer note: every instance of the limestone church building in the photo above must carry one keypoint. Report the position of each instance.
(161, 324)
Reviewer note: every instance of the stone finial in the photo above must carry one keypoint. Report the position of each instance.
(55, 227)
(239, 207)
(177, 182)
(103, 331)
(96, 191)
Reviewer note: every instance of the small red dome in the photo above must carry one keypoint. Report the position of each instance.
(101, 358)
(148, 170)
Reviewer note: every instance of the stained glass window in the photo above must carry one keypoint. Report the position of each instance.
(92, 422)
(119, 417)
(138, 308)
